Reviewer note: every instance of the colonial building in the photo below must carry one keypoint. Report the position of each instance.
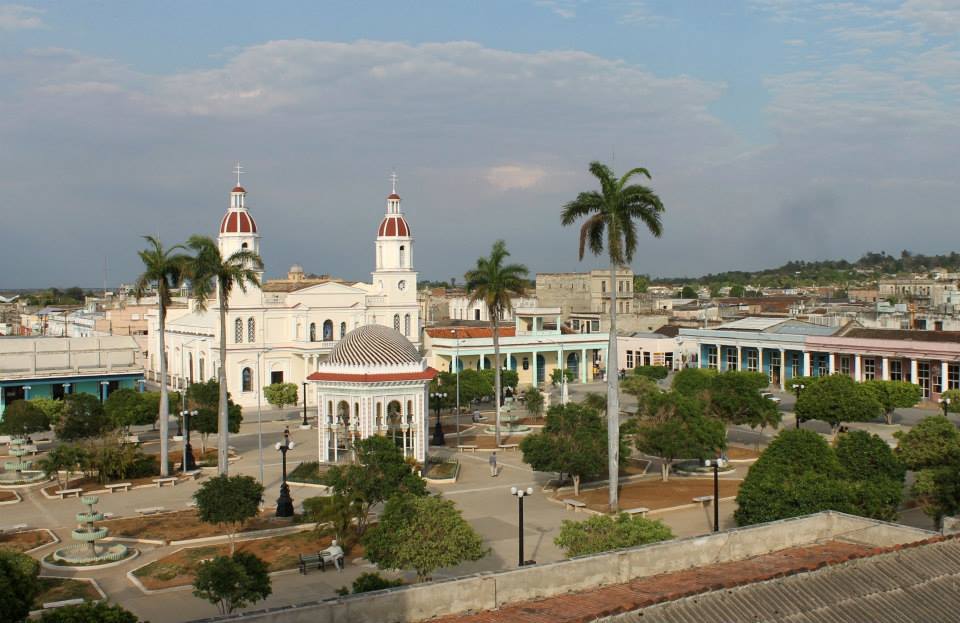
(282, 334)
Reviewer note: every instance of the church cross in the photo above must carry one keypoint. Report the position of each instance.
(393, 180)
(238, 170)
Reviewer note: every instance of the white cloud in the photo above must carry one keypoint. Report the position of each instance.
(19, 17)
(514, 176)
(567, 9)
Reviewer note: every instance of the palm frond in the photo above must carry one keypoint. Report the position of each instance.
(585, 204)
(591, 234)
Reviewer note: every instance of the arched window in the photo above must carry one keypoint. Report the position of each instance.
(406, 325)
(327, 330)
(243, 246)
(251, 330)
(403, 256)
(313, 332)
(396, 322)
(246, 380)
(238, 331)
(343, 329)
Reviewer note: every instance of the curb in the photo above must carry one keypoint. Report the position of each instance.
(83, 568)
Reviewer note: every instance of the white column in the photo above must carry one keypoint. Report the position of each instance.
(913, 372)
(943, 376)
(483, 362)
(806, 363)
(739, 357)
(783, 370)
(533, 367)
(885, 369)
(857, 360)
(583, 365)
(832, 363)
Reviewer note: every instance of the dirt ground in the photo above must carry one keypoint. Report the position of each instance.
(7, 496)
(181, 525)
(280, 552)
(655, 494)
(22, 541)
(61, 589)
(738, 454)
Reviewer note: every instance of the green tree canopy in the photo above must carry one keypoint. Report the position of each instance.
(556, 376)
(229, 501)
(281, 394)
(232, 582)
(894, 395)
(53, 408)
(654, 373)
(66, 458)
(644, 390)
(688, 292)
(864, 456)
(534, 401)
(89, 612)
(933, 442)
(737, 291)
(82, 417)
(126, 407)
(422, 533)
(679, 429)
(693, 381)
(204, 398)
(23, 417)
(379, 472)
(735, 397)
(602, 533)
(836, 399)
(18, 585)
(333, 514)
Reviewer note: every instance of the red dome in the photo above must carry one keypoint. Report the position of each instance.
(238, 189)
(393, 196)
(394, 226)
(235, 222)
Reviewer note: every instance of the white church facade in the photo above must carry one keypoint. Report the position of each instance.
(284, 334)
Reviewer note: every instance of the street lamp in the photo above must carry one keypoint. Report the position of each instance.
(797, 388)
(304, 425)
(716, 463)
(438, 429)
(946, 404)
(284, 502)
(520, 494)
(188, 464)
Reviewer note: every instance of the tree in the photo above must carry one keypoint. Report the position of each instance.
(864, 456)
(735, 397)
(89, 612)
(693, 381)
(82, 417)
(229, 501)
(22, 417)
(281, 394)
(679, 429)
(367, 582)
(379, 472)
(163, 270)
(126, 407)
(19, 585)
(556, 376)
(737, 291)
(53, 408)
(534, 401)
(211, 275)
(422, 533)
(496, 284)
(836, 399)
(232, 582)
(333, 514)
(573, 441)
(894, 395)
(205, 399)
(473, 385)
(688, 292)
(643, 390)
(613, 212)
(654, 373)
(933, 442)
(66, 458)
(602, 533)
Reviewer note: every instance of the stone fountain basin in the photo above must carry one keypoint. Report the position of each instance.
(80, 555)
(89, 500)
(18, 466)
(86, 536)
(89, 517)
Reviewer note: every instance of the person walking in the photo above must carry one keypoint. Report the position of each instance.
(493, 464)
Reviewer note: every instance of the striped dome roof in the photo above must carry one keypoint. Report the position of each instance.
(393, 226)
(237, 222)
(373, 345)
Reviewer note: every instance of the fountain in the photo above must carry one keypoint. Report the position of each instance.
(86, 551)
(18, 472)
(508, 423)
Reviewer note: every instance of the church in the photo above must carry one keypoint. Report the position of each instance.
(281, 331)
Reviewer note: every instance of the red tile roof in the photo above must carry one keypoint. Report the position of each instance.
(463, 333)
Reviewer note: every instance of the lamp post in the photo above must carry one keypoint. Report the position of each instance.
(716, 463)
(188, 464)
(438, 429)
(799, 387)
(520, 494)
(284, 502)
(946, 405)
(103, 390)
(304, 424)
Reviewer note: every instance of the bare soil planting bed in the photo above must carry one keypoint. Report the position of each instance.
(181, 525)
(654, 494)
(22, 541)
(737, 453)
(7, 496)
(61, 589)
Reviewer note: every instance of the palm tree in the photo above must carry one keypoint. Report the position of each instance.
(613, 211)
(164, 269)
(213, 275)
(495, 283)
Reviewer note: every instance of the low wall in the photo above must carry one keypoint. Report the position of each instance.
(486, 591)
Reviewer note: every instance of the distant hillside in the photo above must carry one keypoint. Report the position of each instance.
(870, 267)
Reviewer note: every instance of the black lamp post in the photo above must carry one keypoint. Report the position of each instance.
(520, 494)
(716, 463)
(799, 387)
(284, 502)
(188, 464)
(438, 439)
(946, 405)
(304, 424)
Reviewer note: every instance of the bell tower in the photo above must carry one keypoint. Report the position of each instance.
(394, 277)
(238, 232)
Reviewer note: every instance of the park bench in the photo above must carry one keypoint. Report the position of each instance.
(134, 439)
(640, 510)
(316, 560)
(703, 499)
(194, 473)
(152, 510)
(509, 446)
(62, 603)
(113, 486)
(190, 503)
(64, 493)
(574, 505)
(465, 447)
(108, 515)
(172, 481)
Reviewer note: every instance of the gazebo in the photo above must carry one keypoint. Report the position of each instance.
(373, 383)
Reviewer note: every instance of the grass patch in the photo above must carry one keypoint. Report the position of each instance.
(309, 472)
(439, 470)
(22, 541)
(61, 589)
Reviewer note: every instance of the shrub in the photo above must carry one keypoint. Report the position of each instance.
(18, 585)
(603, 533)
(89, 612)
(654, 373)
(367, 582)
(23, 417)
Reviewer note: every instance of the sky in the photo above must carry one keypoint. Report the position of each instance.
(773, 129)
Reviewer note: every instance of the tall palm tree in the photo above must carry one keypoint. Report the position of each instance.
(164, 270)
(613, 211)
(495, 283)
(211, 275)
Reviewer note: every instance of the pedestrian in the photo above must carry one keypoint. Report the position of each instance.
(476, 415)
(493, 464)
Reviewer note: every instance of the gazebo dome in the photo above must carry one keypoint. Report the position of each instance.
(374, 345)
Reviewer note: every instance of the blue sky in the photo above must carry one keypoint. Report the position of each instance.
(803, 128)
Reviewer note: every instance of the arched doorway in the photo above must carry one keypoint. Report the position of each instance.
(573, 364)
(327, 330)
